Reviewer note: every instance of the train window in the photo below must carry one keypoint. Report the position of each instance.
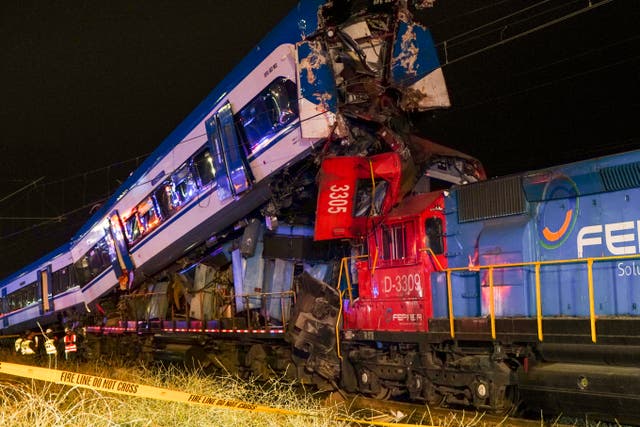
(433, 230)
(59, 281)
(94, 262)
(363, 205)
(203, 165)
(397, 244)
(12, 302)
(148, 216)
(132, 228)
(166, 199)
(23, 297)
(268, 113)
(32, 293)
(82, 270)
(184, 184)
(99, 259)
(393, 242)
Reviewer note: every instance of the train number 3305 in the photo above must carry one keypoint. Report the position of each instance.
(339, 199)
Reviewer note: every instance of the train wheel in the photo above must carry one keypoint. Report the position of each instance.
(383, 394)
(372, 386)
(510, 401)
(431, 395)
(415, 385)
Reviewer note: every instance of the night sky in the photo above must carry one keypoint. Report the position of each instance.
(89, 88)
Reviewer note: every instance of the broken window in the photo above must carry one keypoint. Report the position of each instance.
(268, 113)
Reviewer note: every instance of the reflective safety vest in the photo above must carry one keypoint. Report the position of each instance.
(70, 343)
(50, 347)
(19, 345)
(25, 345)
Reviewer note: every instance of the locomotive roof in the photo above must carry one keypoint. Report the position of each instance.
(414, 204)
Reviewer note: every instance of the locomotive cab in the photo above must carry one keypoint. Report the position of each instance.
(394, 281)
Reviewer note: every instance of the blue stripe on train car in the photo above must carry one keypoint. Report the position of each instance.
(303, 20)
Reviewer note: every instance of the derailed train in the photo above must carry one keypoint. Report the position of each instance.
(517, 292)
(520, 289)
(332, 78)
(288, 226)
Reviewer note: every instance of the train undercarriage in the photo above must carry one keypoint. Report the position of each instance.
(514, 374)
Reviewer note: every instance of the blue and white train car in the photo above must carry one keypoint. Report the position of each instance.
(34, 292)
(287, 98)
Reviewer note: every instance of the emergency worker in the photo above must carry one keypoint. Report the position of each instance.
(70, 344)
(18, 344)
(50, 348)
(38, 346)
(27, 348)
(81, 337)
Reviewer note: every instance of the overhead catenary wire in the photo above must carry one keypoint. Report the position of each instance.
(31, 184)
(583, 72)
(471, 12)
(547, 24)
(58, 218)
(448, 41)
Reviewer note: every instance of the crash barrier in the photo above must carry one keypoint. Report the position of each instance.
(127, 388)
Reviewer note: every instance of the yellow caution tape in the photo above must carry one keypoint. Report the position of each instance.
(109, 385)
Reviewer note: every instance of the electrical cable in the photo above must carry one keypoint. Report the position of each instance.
(447, 42)
(527, 32)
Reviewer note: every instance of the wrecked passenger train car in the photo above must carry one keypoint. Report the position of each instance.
(334, 78)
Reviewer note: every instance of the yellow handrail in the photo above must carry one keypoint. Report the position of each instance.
(592, 311)
(433, 258)
(491, 268)
(344, 265)
(450, 295)
(536, 265)
(338, 351)
(538, 302)
(492, 309)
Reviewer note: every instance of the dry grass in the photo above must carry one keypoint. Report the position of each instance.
(36, 403)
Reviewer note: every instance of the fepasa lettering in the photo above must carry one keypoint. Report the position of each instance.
(619, 238)
(407, 317)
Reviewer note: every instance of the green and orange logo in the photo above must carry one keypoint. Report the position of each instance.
(558, 212)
